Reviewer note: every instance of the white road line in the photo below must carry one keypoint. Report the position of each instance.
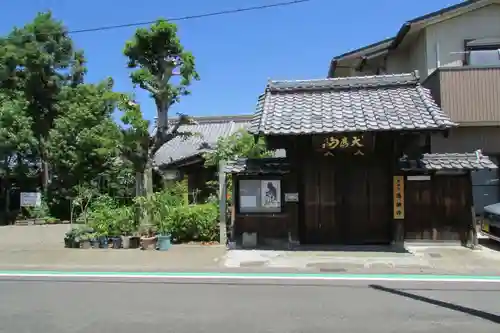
(253, 277)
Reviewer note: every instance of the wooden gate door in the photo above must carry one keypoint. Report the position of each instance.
(438, 209)
(319, 223)
(363, 198)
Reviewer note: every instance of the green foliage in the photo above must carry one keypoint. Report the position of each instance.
(56, 128)
(159, 205)
(194, 223)
(239, 144)
(171, 215)
(40, 212)
(108, 218)
(135, 136)
(90, 137)
(38, 61)
(79, 232)
(50, 117)
(157, 54)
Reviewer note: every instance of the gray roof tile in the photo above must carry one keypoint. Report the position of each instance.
(352, 104)
(258, 166)
(449, 161)
(208, 130)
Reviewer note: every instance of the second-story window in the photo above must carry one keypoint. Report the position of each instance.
(483, 52)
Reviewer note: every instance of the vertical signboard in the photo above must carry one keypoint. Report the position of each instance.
(399, 197)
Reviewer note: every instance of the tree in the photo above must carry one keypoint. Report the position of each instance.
(135, 139)
(17, 161)
(157, 56)
(39, 60)
(84, 142)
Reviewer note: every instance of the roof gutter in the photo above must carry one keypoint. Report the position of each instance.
(400, 36)
(333, 67)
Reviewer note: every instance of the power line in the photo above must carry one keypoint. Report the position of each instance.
(190, 17)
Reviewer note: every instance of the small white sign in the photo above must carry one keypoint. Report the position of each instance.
(291, 197)
(31, 199)
(418, 178)
(248, 201)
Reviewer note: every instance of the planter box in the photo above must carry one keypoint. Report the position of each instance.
(30, 222)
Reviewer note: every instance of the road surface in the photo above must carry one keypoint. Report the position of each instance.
(70, 305)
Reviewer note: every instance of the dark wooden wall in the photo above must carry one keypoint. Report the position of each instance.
(438, 209)
(271, 226)
(198, 175)
(348, 199)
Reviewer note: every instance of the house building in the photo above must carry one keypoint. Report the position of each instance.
(358, 166)
(456, 53)
(182, 157)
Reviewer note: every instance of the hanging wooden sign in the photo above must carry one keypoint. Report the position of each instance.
(399, 197)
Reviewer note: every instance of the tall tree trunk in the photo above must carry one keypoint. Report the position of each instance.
(45, 166)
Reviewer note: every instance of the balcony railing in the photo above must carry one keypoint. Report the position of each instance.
(470, 95)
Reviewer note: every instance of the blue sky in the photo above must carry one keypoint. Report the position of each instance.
(236, 54)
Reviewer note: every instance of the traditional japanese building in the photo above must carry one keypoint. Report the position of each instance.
(358, 168)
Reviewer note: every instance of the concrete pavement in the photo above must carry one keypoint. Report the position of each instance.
(42, 248)
(247, 306)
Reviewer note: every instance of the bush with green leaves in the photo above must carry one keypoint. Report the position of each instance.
(194, 223)
(170, 214)
(158, 206)
(108, 218)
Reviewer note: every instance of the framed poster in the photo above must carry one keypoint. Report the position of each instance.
(270, 193)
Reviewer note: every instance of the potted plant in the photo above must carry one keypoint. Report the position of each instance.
(84, 239)
(164, 236)
(94, 240)
(102, 231)
(69, 236)
(126, 225)
(115, 233)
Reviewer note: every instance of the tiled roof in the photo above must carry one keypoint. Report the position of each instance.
(258, 166)
(449, 161)
(351, 104)
(207, 129)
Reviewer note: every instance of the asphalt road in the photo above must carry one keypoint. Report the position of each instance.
(245, 306)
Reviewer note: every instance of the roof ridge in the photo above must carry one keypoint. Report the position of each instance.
(345, 82)
(218, 119)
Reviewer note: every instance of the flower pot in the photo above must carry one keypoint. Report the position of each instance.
(67, 242)
(75, 244)
(135, 242)
(117, 242)
(163, 243)
(103, 242)
(94, 243)
(85, 244)
(126, 242)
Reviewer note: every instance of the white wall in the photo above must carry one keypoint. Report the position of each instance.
(451, 34)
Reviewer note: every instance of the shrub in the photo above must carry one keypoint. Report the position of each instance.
(110, 219)
(194, 223)
(159, 206)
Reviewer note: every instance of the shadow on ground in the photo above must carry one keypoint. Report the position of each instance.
(473, 312)
(490, 244)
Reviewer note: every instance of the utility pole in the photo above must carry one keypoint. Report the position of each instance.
(222, 204)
